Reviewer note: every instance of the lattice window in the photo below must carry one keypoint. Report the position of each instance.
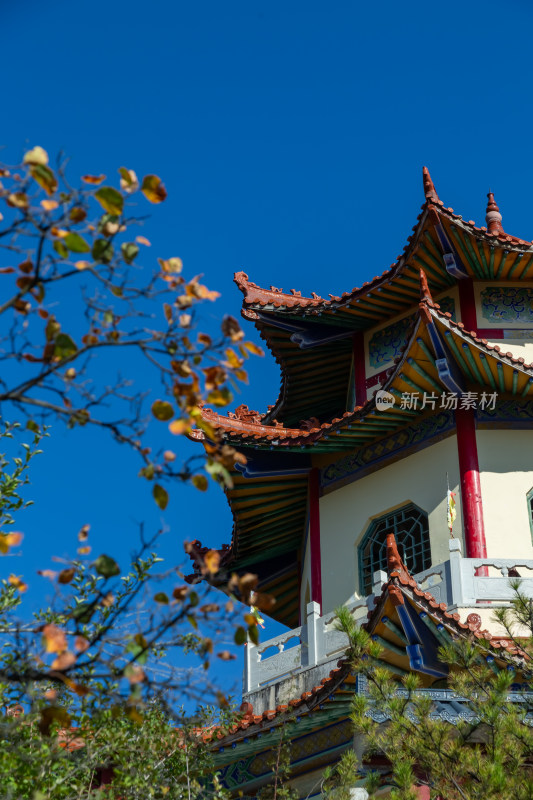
(410, 527)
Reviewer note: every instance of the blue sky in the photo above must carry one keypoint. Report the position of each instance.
(291, 138)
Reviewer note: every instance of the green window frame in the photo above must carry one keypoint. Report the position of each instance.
(529, 497)
(409, 524)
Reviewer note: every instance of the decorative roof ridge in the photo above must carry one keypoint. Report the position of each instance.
(395, 565)
(402, 583)
(429, 187)
(446, 317)
(307, 702)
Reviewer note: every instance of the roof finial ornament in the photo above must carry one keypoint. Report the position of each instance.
(429, 186)
(425, 293)
(394, 560)
(493, 217)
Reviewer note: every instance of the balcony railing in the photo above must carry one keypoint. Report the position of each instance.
(458, 582)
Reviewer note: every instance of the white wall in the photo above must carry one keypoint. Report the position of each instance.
(506, 467)
(346, 513)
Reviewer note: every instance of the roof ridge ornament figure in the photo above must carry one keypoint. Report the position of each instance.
(493, 217)
(395, 565)
(429, 187)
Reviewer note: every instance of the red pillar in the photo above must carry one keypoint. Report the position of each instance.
(467, 304)
(359, 369)
(471, 503)
(314, 536)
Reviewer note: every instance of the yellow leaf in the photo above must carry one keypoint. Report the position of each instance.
(143, 240)
(241, 374)
(17, 200)
(212, 561)
(200, 482)
(13, 539)
(84, 551)
(153, 189)
(178, 426)
(233, 358)
(253, 348)
(36, 155)
(18, 583)
(82, 264)
(129, 182)
(172, 266)
(168, 455)
(49, 205)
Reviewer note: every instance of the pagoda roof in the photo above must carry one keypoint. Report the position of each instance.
(476, 363)
(416, 254)
(442, 244)
(269, 516)
(393, 629)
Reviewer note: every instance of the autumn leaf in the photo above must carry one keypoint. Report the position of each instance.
(81, 644)
(102, 251)
(76, 243)
(54, 639)
(160, 496)
(110, 199)
(106, 566)
(178, 426)
(84, 551)
(153, 189)
(162, 410)
(64, 661)
(66, 575)
(17, 582)
(49, 205)
(47, 573)
(199, 482)
(84, 533)
(77, 214)
(212, 561)
(36, 156)
(93, 179)
(8, 540)
(169, 455)
(220, 397)
(143, 240)
(231, 328)
(161, 597)
(17, 200)
(253, 348)
(180, 593)
(44, 176)
(225, 655)
(129, 182)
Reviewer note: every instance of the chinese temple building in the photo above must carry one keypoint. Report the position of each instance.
(395, 397)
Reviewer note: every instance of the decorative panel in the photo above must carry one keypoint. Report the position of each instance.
(507, 304)
(386, 344)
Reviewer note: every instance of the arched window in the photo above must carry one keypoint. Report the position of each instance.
(409, 525)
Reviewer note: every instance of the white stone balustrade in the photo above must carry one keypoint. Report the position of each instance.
(454, 582)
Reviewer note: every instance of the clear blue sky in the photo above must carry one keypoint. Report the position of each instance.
(291, 138)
